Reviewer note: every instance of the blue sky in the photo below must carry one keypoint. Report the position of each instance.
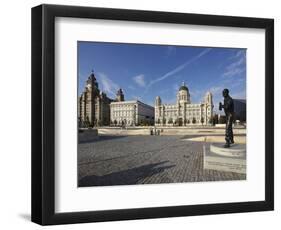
(146, 71)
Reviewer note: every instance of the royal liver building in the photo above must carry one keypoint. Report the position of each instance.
(184, 113)
(93, 105)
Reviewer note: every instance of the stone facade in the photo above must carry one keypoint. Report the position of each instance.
(184, 113)
(131, 113)
(96, 109)
(93, 105)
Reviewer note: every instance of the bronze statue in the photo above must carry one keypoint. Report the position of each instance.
(228, 107)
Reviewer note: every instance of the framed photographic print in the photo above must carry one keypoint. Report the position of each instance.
(142, 114)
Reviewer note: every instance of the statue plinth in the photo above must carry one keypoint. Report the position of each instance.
(232, 159)
(236, 150)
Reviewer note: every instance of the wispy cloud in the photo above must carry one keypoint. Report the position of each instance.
(239, 54)
(195, 92)
(180, 67)
(131, 87)
(216, 90)
(139, 80)
(238, 66)
(107, 85)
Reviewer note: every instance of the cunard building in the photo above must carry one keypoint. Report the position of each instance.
(184, 112)
(130, 113)
(93, 105)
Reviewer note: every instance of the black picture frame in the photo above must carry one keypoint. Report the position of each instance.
(43, 114)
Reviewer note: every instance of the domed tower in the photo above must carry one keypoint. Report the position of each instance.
(157, 111)
(209, 98)
(120, 95)
(183, 94)
(102, 95)
(208, 101)
(158, 101)
(91, 82)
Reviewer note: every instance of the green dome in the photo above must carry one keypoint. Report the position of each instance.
(183, 87)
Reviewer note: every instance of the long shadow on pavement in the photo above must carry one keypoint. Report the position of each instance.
(125, 177)
(102, 138)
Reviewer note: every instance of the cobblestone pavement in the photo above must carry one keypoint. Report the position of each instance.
(124, 160)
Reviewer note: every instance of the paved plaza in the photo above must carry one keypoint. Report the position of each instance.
(127, 160)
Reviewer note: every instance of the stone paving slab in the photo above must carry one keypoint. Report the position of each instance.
(127, 160)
